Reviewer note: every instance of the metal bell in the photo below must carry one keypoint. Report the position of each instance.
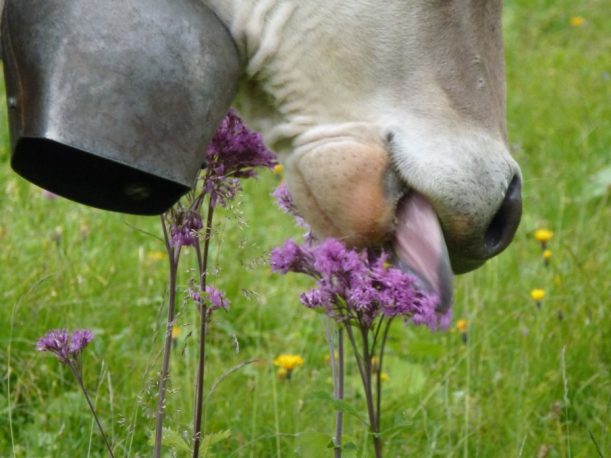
(112, 103)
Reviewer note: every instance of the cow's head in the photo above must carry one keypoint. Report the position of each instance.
(413, 149)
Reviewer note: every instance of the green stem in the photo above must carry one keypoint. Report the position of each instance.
(167, 348)
(339, 417)
(379, 374)
(203, 312)
(79, 379)
(364, 365)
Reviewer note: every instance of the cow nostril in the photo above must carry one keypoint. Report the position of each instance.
(505, 222)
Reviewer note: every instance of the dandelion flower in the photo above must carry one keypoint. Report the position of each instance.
(278, 169)
(287, 363)
(384, 377)
(577, 21)
(176, 331)
(537, 294)
(462, 325)
(543, 235)
(547, 254)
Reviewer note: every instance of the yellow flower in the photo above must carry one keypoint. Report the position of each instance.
(176, 331)
(547, 254)
(384, 377)
(288, 362)
(537, 294)
(577, 21)
(462, 325)
(155, 255)
(543, 235)
(278, 169)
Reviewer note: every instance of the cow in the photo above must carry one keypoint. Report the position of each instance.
(390, 120)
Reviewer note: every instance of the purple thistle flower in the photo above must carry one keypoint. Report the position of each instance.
(80, 339)
(292, 258)
(57, 342)
(63, 345)
(284, 200)
(234, 152)
(195, 295)
(184, 231)
(317, 298)
(356, 284)
(217, 299)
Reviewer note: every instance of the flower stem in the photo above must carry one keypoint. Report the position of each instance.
(379, 374)
(165, 370)
(367, 382)
(79, 379)
(339, 418)
(364, 364)
(203, 316)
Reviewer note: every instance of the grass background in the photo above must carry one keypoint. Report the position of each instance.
(528, 383)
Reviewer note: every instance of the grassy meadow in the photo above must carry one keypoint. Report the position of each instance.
(529, 382)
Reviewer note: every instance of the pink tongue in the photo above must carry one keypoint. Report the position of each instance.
(421, 248)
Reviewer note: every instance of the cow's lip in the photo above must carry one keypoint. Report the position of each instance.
(419, 247)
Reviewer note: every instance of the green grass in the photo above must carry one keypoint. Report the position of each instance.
(525, 381)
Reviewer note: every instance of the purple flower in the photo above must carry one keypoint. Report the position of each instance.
(80, 339)
(234, 152)
(57, 342)
(63, 345)
(285, 202)
(317, 298)
(184, 231)
(216, 299)
(353, 284)
(292, 258)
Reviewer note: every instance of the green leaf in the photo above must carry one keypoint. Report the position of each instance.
(312, 444)
(213, 438)
(173, 440)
